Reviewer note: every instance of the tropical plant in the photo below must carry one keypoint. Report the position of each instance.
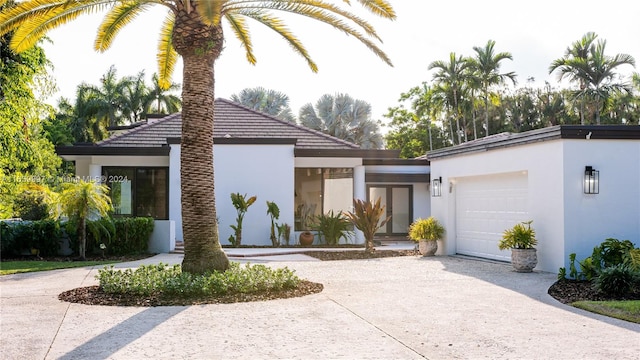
(241, 203)
(274, 212)
(586, 64)
(160, 100)
(270, 102)
(520, 236)
(193, 30)
(368, 217)
(426, 229)
(452, 77)
(83, 201)
(615, 280)
(284, 233)
(106, 102)
(343, 117)
(486, 70)
(333, 226)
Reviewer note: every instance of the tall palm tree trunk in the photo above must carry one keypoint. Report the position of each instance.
(200, 46)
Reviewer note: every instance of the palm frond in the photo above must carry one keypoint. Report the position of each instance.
(210, 11)
(118, 17)
(167, 55)
(241, 31)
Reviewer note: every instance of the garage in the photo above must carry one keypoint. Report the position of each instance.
(485, 207)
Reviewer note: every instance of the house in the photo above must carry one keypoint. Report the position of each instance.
(303, 171)
(579, 185)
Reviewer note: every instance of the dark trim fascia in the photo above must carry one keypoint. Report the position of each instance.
(411, 162)
(498, 141)
(347, 153)
(396, 178)
(243, 141)
(113, 150)
(612, 132)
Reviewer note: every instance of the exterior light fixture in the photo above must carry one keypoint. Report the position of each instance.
(436, 188)
(591, 180)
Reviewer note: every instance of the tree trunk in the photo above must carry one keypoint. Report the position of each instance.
(199, 45)
(82, 237)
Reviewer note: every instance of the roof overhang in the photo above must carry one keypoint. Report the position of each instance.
(353, 153)
(111, 150)
(504, 140)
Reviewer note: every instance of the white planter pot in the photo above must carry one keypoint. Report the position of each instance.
(428, 247)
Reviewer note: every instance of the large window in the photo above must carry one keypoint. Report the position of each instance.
(318, 191)
(138, 191)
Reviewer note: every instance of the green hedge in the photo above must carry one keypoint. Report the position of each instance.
(121, 236)
(19, 237)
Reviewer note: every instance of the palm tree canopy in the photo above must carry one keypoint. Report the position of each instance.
(270, 102)
(32, 19)
(487, 65)
(85, 200)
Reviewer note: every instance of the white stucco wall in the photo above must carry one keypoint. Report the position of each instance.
(615, 211)
(566, 220)
(266, 171)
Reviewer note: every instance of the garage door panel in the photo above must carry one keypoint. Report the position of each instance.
(485, 206)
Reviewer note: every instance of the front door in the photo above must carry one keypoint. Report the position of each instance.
(398, 202)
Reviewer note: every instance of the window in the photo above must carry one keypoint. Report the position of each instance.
(318, 191)
(138, 191)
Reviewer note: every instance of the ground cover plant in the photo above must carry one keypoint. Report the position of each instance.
(607, 282)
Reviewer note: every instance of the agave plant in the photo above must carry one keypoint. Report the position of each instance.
(368, 218)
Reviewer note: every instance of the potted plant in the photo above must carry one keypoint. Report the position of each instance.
(426, 232)
(521, 239)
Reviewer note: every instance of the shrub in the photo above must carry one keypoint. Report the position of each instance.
(170, 280)
(19, 237)
(121, 236)
(332, 226)
(614, 251)
(615, 280)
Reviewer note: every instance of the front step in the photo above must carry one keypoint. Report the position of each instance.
(179, 249)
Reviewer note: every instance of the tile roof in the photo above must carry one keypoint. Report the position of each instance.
(230, 120)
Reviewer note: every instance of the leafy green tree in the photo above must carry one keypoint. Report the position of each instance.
(193, 30)
(343, 117)
(270, 102)
(486, 69)
(25, 151)
(412, 123)
(83, 201)
(585, 63)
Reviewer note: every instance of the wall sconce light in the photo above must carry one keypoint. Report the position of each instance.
(436, 188)
(591, 180)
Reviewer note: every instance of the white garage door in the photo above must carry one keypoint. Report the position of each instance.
(485, 207)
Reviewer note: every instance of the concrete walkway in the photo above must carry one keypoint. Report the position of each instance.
(390, 308)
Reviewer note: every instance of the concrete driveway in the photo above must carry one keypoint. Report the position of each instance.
(390, 308)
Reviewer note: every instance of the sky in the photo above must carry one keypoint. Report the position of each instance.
(534, 32)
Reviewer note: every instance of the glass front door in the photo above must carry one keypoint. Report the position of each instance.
(398, 202)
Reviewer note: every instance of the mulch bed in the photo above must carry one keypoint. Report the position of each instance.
(569, 291)
(565, 291)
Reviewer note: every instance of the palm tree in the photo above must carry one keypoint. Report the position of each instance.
(486, 66)
(193, 30)
(160, 100)
(81, 201)
(577, 52)
(587, 64)
(452, 75)
(135, 98)
(270, 102)
(106, 102)
(344, 117)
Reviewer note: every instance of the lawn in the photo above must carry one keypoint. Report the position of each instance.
(624, 310)
(15, 267)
